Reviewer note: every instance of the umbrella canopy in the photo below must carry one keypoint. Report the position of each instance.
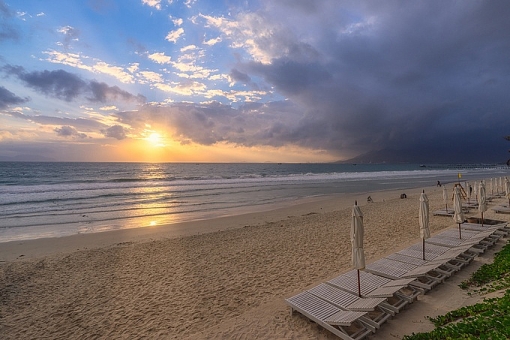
(424, 216)
(482, 198)
(458, 215)
(507, 189)
(468, 190)
(357, 230)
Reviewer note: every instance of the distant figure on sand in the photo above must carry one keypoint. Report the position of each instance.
(438, 183)
(369, 199)
(403, 195)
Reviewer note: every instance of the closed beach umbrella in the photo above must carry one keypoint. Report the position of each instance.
(475, 190)
(468, 191)
(357, 230)
(423, 218)
(492, 187)
(482, 199)
(507, 189)
(458, 215)
(501, 189)
(445, 198)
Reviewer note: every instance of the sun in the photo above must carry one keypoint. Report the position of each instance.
(155, 139)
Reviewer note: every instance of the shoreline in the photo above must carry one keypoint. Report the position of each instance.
(222, 278)
(44, 246)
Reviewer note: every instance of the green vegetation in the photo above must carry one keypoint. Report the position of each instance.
(493, 276)
(489, 319)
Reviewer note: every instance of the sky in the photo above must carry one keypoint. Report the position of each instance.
(254, 81)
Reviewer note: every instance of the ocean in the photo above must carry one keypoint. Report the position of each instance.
(58, 199)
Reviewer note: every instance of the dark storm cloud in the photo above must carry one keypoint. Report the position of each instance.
(243, 78)
(69, 131)
(115, 131)
(59, 84)
(101, 92)
(68, 86)
(403, 76)
(235, 75)
(8, 98)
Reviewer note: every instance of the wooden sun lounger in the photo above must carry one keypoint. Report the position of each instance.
(453, 258)
(501, 209)
(342, 323)
(376, 315)
(397, 292)
(450, 238)
(498, 229)
(444, 212)
(470, 204)
(398, 270)
(431, 250)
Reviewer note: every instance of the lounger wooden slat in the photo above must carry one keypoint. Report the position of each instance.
(394, 270)
(407, 259)
(348, 301)
(344, 324)
(398, 296)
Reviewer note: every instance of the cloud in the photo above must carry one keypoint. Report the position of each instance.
(79, 61)
(7, 98)
(103, 93)
(160, 58)
(59, 84)
(81, 124)
(69, 131)
(239, 77)
(7, 29)
(153, 3)
(68, 86)
(413, 76)
(212, 42)
(116, 131)
(108, 108)
(173, 36)
(177, 21)
(271, 124)
(70, 34)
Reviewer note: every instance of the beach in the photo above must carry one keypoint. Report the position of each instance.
(213, 279)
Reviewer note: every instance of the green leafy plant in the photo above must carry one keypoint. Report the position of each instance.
(495, 275)
(489, 319)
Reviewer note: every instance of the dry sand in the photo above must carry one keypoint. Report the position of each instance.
(228, 282)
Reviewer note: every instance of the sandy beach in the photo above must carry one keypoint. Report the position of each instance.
(217, 279)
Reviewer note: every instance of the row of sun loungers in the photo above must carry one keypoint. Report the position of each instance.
(502, 209)
(388, 285)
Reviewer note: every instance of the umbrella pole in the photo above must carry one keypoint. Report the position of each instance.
(482, 218)
(359, 286)
(423, 243)
(460, 233)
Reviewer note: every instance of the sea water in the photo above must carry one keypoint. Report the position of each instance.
(58, 199)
